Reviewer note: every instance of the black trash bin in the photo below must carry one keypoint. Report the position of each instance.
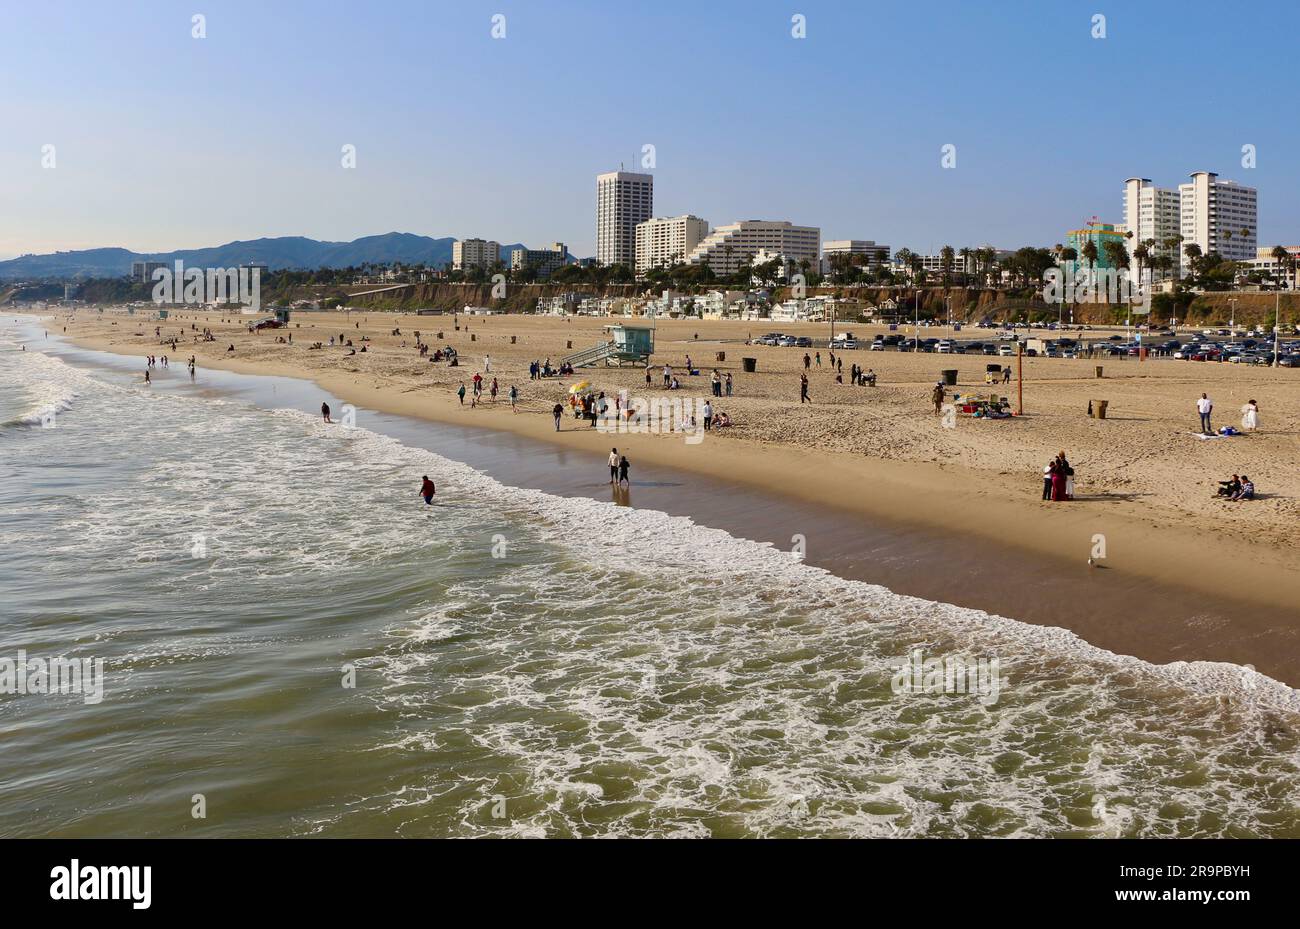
(950, 377)
(749, 364)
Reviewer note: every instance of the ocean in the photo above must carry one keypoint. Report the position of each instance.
(293, 644)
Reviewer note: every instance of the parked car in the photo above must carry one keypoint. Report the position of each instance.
(1005, 351)
(803, 342)
(943, 347)
(844, 343)
(787, 341)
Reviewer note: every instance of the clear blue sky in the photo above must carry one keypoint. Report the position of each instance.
(166, 141)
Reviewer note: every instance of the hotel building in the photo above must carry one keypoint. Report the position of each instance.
(727, 247)
(623, 201)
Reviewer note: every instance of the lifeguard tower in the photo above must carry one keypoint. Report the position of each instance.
(626, 344)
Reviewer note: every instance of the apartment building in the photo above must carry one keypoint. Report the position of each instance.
(667, 241)
(474, 253)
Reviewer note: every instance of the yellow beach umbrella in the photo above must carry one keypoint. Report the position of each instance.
(579, 387)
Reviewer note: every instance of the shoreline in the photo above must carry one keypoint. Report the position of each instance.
(1257, 635)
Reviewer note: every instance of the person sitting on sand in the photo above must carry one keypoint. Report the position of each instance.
(1229, 488)
(1246, 491)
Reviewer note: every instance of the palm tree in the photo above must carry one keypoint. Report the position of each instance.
(946, 255)
(1193, 253)
(1283, 258)
(1141, 254)
(965, 263)
(1089, 252)
(1171, 244)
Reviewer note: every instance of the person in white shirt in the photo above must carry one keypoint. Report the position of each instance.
(1204, 406)
(613, 465)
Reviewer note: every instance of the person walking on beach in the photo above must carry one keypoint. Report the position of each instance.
(558, 412)
(728, 383)
(427, 490)
(325, 412)
(493, 391)
(613, 465)
(807, 361)
(514, 398)
(622, 471)
(1205, 406)
(461, 393)
(487, 363)
(819, 359)
(647, 377)
(803, 389)
(937, 396)
(146, 371)
(1250, 416)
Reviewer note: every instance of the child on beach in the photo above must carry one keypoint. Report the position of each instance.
(622, 471)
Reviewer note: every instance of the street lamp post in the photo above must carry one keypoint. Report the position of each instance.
(1232, 320)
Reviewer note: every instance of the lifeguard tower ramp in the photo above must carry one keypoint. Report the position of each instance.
(626, 345)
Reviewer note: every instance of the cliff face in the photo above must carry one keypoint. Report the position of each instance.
(518, 298)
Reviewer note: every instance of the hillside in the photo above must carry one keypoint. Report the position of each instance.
(280, 253)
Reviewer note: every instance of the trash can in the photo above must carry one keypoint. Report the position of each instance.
(568, 344)
(950, 377)
(1099, 408)
(1099, 371)
(473, 337)
(722, 356)
(512, 340)
(749, 364)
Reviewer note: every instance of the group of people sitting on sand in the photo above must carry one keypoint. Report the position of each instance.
(538, 370)
(1239, 488)
(1058, 479)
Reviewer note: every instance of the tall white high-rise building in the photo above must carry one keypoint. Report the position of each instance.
(666, 241)
(727, 247)
(1151, 213)
(1219, 216)
(474, 253)
(623, 200)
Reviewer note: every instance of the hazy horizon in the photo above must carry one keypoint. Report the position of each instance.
(164, 141)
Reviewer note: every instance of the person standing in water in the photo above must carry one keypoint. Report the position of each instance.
(613, 465)
(427, 490)
(325, 412)
(622, 471)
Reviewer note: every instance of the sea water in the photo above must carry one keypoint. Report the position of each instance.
(293, 643)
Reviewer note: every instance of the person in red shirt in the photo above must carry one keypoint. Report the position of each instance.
(427, 490)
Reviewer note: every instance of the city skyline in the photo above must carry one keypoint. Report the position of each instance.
(860, 158)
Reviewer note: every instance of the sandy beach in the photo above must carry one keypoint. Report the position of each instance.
(1144, 481)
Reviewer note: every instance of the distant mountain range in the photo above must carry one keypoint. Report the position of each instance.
(280, 253)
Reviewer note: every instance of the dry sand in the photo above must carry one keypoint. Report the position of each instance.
(1144, 482)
